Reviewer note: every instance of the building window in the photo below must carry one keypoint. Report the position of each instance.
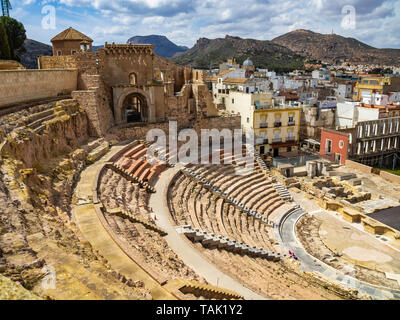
(59, 53)
(328, 146)
(133, 78)
(73, 52)
(341, 144)
(248, 120)
(233, 101)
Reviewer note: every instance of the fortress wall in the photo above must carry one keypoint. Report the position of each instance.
(19, 86)
(57, 62)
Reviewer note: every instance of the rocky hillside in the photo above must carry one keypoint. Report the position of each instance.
(264, 54)
(34, 49)
(164, 47)
(333, 48)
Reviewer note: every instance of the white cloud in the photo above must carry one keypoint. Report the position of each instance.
(184, 21)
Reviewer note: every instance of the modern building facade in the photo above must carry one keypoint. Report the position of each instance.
(276, 126)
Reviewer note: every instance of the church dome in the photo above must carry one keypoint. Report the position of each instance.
(248, 63)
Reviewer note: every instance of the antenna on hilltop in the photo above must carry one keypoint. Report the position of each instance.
(6, 7)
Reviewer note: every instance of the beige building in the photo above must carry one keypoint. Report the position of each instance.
(276, 126)
(69, 42)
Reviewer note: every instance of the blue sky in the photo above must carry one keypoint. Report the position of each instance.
(184, 21)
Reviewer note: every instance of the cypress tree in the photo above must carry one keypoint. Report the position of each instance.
(4, 45)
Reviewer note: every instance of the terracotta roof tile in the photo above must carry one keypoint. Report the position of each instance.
(225, 72)
(71, 34)
(236, 80)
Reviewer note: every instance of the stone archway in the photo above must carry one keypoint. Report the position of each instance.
(135, 109)
(133, 102)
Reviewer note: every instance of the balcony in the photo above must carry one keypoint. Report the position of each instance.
(291, 123)
(261, 140)
(278, 124)
(263, 125)
(290, 139)
(278, 140)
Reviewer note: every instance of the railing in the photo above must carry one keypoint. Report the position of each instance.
(290, 139)
(276, 140)
(261, 140)
(291, 123)
(263, 125)
(277, 124)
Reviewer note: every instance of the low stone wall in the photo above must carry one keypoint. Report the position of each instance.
(370, 170)
(353, 216)
(358, 166)
(19, 86)
(390, 177)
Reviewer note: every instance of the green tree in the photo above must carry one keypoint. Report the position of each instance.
(4, 47)
(16, 35)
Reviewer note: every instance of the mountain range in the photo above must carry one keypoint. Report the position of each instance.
(286, 52)
(33, 50)
(332, 48)
(264, 54)
(163, 46)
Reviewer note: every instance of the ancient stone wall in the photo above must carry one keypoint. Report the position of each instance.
(58, 62)
(132, 132)
(18, 86)
(182, 75)
(218, 123)
(96, 102)
(64, 133)
(358, 166)
(390, 177)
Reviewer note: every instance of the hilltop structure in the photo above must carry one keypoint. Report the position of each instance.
(69, 42)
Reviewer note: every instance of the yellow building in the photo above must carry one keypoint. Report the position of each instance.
(276, 127)
(368, 85)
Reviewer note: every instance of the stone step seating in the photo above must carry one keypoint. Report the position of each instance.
(283, 192)
(126, 215)
(134, 162)
(162, 155)
(212, 241)
(210, 213)
(201, 290)
(190, 173)
(241, 188)
(37, 121)
(98, 152)
(130, 176)
(23, 116)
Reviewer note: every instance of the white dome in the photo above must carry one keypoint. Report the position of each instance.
(248, 63)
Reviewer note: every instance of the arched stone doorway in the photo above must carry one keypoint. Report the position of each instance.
(135, 109)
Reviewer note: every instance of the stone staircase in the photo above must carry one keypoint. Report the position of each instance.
(213, 241)
(200, 289)
(283, 192)
(130, 176)
(126, 215)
